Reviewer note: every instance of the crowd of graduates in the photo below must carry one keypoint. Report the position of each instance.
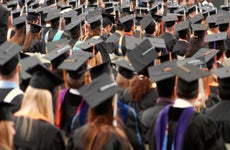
(122, 75)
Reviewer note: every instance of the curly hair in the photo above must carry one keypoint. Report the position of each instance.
(139, 87)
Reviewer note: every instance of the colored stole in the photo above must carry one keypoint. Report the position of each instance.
(178, 137)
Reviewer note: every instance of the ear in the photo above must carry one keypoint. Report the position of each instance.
(18, 68)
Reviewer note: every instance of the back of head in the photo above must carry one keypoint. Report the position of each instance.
(187, 90)
(224, 88)
(165, 88)
(150, 29)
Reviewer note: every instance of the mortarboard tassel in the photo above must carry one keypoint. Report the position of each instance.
(58, 109)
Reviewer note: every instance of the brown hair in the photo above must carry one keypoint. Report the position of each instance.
(5, 141)
(95, 32)
(19, 36)
(139, 87)
(101, 129)
(122, 82)
(29, 37)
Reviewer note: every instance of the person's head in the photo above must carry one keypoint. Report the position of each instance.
(54, 18)
(194, 45)
(128, 23)
(187, 90)
(108, 21)
(165, 88)
(183, 30)
(151, 28)
(170, 22)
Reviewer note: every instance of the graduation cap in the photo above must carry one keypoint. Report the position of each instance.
(109, 4)
(9, 57)
(109, 10)
(142, 55)
(141, 10)
(34, 5)
(199, 27)
(79, 9)
(146, 21)
(15, 13)
(188, 72)
(153, 10)
(98, 92)
(126, 19)
(224, 7)
(211, 20)
(34, 28)
(76, 64)
(158, 17)
(222, 19)
(207, 53)
(205, 14)
(173, 7)
(114, 38)
(94, 19)
(197, 18)
(212, 11)
(181, 26)
(191, 9)
(6, 111)
(125, 10)
(100, 69)
(12, 4)
(53, 15)
(62, 6)
(131, 42)
(157, 42)
(42, 78)
(55, 44)
(27, 63)
(108, 18)
(72, 3)
(68, 16)
(72, 25)
(125, 68)
(196, 61)
(89, 43)
(138, 18)
(19, 22)
(32, 15)
(170, 20)
(58, 55)
(223, 75)
(161, 72)
(215, 37)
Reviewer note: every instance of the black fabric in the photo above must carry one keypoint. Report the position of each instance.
(201, 133)
(17, 101)
(170, 40)
(52, 33)
(44, 136)
(4, 13)
(37, 46)
(147, 101)
(180, 47)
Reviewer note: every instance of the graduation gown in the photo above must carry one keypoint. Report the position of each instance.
(79, 138)
(147, 101)
(170, 40)
(17, 100)
(200, 133)
(52, 33)
(180, 47)
(37, 46)
(44, 136)
(4, 15)
(219, 113)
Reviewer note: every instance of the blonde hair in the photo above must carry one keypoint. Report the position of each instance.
(122, 82)
(6, 142)
(35, 101)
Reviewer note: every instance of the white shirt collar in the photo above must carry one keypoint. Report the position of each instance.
(74, 91)
(181, 103)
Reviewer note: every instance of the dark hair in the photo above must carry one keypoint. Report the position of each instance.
(75, 32)
(187, 90)
(128, 25)
(165, 88)
(182, 34)
(223, 27)
(150, 29)
(194, 45)
(220, 45)
(119, 27)
(55, 23)
(224, 88)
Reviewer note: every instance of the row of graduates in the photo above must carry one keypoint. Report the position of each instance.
(148, 94)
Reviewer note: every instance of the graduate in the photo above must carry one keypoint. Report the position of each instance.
(4, 13)
(179, 126)
(20, 30)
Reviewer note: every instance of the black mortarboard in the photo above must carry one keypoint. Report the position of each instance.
(55, 14)
(19, 22)
(162, 71)
(79, 9)
(68, 16)
(205, 14)
(170, 20)
(223, 75)
(189, 73)
(50, 2)
(222, 19)
(196, 61)
(191, 9)
(12, 4)
(94, 19)
(62, 6)
(109, 10)
(173, 7)
(181, 26)
(199, 27)
(6, 111)
(100, 69)
(16, 13)
(141, 10)
(207, 53)
(196, 19)
(131, 42)
(212, 11)
(108, 4)
(142, 55)
(126, 18)
(146, 21)
(125, 68)
(108, 18)
(99, 91)
(215, 37)
(32, 15)
(76, 64)
(72, 3)
(42, 78)
(58, 55)
(89, 43)
(157, 42)
(55, 44)
(72, 25)
(34, 28)
(157, 17)
(9, 57)
(114, 38)
(153, 10)
(34, 5)
(27, 63)
(125, 10)
(224, 7)
(211, 20)
(180, 10)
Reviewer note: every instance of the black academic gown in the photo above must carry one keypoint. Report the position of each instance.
(4, 15)
(16, 101)
(200, 134)
(170, 40)
(44, 137)
(180, 47)
(72, 42)
(147, 101)
(219, 113)
(52, 33)
(37, 46)
(79, 138)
